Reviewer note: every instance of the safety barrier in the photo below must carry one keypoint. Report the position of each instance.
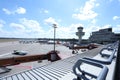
(106, 60)
(109, 57)
(83, 74)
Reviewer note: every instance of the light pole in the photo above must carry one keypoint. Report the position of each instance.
(54, 26)
(53, 55)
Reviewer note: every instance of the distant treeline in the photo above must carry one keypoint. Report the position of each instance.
(8, 39)
(58, 39)
(2, 39)
(42, 39)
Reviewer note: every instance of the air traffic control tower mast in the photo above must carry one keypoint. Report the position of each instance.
(80, 33)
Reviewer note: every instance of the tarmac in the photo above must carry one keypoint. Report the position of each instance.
(6, 50)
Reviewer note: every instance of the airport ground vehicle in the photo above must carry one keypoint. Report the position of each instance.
(16, 52)
(75, 49)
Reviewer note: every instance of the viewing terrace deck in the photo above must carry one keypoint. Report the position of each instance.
(66, 69)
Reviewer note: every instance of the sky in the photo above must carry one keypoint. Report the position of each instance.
(35, 18)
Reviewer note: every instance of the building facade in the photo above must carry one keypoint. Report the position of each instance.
(104, 36)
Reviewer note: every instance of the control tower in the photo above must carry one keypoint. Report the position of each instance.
(80, 33)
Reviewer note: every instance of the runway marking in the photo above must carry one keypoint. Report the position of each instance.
(4, 54)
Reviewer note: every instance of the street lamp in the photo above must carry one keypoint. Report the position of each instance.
(53, 55)
(54, 26)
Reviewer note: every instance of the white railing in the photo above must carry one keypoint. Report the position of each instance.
(100, 67)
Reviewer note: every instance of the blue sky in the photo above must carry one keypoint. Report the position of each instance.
(34, 18)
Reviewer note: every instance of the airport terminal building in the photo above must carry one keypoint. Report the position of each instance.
(104, 36)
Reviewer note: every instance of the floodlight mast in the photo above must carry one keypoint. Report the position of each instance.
(54, 26)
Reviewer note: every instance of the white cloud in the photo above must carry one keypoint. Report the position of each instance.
(68, 32)
(96, 28)
(76, 10)
(17, 26)
(106, 26)
(50, 21)
(26, 28)
(2, 23)
(88, 30)
(32, 28)
(87, 11)
(116, 17)
(116, 29)
(63, 31)
(19, 10)
(94, 21)
(7, 11)
(97, 4)
(31, 25)
(44, 11)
